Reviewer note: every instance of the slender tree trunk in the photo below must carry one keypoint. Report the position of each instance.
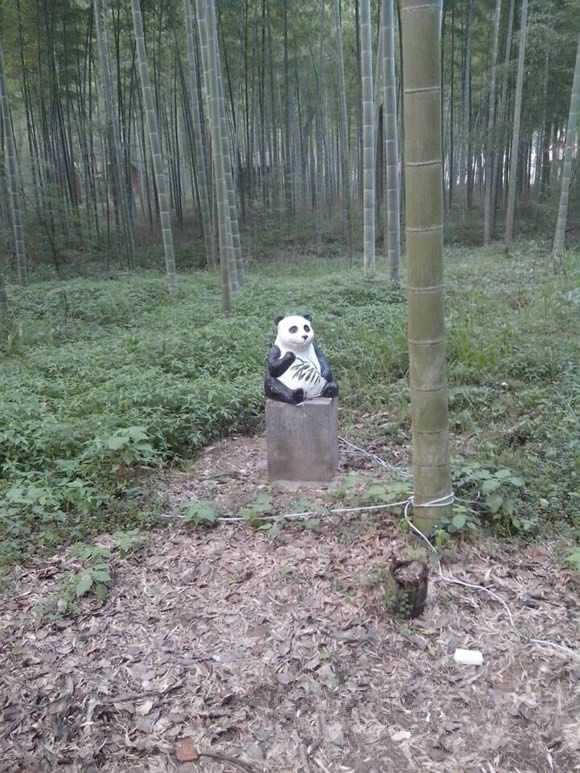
(512, 182)
(368, 137)
(421, 21)
(287, 132)
(501, 132)
(121, 186)
(540, 137)
(546, 163)
(344, 145)
(320, 179)
(489, 147)
(155, 141)
(4, 307)
(13, 176)
(470, 166)
(393, 209)
(464, 155)
(210, 54)
(236, 270)
(198, 137)
(359, 104)
(452, 111)
(571, 134)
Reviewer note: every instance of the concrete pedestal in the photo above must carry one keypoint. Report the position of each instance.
(302, 440)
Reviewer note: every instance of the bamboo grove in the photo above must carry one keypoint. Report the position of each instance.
(130, 123)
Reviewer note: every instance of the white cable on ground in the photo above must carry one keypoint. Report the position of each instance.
(398, 470)
(445, 501)
(302, 515)
(308, 513)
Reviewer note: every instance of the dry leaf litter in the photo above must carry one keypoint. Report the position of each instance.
(229, 649)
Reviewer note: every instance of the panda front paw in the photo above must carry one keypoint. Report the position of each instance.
(298, 396)
(330, 390)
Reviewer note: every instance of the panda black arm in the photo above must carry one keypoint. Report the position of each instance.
(278, 365)
(324, 366)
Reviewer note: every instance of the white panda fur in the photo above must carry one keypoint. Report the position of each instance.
(304, 373)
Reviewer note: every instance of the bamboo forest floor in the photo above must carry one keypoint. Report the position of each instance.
(235, 648)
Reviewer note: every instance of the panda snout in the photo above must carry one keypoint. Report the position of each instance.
(305, 338)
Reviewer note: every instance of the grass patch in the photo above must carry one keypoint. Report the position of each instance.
(105, 381)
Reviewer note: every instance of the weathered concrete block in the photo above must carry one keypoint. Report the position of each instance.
(302, 440)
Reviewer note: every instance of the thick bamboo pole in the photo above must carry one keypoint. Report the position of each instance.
(421, 28)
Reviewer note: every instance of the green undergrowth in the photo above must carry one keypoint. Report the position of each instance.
(106, 381)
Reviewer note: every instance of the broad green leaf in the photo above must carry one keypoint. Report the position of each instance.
(101, 575)
(101, 591)
(494, 502)
(262, 501)
(137, 433)
(573, 559)
(201, 513)
(459, 520)
(128, 540)
(490, 485)
(83, 583)
(115, 442)
(261, 505)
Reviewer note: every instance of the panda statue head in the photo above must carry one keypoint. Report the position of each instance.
(294, 333)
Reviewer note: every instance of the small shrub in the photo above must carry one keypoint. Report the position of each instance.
(494, 494)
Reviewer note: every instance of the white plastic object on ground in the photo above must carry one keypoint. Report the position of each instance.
(468, 657)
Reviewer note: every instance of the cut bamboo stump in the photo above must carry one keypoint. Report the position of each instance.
(302, 440)
(406, 588)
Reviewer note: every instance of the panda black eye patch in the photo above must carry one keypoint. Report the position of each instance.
(294, 329)
(307, 328)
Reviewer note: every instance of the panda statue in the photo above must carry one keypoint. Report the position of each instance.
(297, 369)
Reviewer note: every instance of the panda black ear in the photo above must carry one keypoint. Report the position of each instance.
(278, 319)
(308, 316)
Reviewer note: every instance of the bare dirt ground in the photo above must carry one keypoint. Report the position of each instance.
(232, 649)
